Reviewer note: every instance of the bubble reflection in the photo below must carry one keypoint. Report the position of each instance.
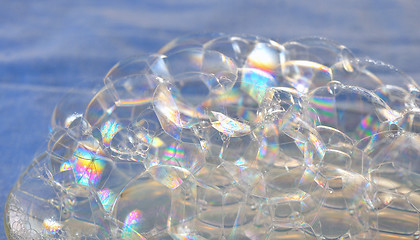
(231, 137)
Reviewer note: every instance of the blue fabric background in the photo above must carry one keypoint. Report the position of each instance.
(48, 47)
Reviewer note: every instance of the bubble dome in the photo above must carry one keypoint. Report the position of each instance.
(231, 137)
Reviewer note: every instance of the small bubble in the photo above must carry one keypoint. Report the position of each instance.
(415, 92)
(393, 127)
(225, 138)
(335, 87)
(346, 59)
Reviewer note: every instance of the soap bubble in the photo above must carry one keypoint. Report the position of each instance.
(354, 111)
(188, 41)
(309, 62)
(394, 87)
(394, 170)
(230, 137)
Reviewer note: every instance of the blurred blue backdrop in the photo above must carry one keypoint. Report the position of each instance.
(49, 47)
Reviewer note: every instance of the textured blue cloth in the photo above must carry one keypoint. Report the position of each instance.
(49, 47)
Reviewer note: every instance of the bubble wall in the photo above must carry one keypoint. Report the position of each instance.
(231, 137)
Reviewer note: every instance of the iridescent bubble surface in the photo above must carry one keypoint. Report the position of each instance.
(231, 137)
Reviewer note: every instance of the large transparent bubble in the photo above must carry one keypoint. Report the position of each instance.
(230, 137)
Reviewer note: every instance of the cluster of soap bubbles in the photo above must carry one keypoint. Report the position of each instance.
(231, 137)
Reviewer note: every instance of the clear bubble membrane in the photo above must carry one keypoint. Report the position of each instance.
(230, 137)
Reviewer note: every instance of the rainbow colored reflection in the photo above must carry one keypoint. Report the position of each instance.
(170, 176)
(269, 150)
(167, 111)
(229, 126)
(107, 198)
(87, 165)
(108, 131)
(255, 82)
(173, 154)
(265, 56)
(51, 226)
(316, 142)
(66, 166)
(226, 99)
(132, 225)
(133, 102)
(325, 107)
(303, 75)
(367, 127)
